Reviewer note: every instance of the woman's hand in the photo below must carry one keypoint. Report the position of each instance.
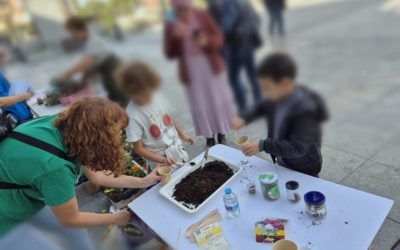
(100, 178)
(238, 123)
(201, 40)
(179, 29)
(152, 178)
(26, 96)
(251, 149)
(122, 218)
(187, 138)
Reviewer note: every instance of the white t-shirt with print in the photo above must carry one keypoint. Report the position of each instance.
(153, 125)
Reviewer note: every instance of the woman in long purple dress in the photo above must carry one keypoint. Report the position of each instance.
(194, 39)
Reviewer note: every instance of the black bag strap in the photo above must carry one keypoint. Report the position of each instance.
(38, 144)
(6, 185)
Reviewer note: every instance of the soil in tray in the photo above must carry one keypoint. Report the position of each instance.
(197, 186)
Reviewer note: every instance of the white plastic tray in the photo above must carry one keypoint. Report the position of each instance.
(168, 189)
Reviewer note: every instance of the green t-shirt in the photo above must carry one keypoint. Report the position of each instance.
(53, 179)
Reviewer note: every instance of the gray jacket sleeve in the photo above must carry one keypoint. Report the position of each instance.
(304, 134)
(260, 109)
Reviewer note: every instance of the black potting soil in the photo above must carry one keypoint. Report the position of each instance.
(201, 183)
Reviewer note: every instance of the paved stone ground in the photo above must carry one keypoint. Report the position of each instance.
(347, 50)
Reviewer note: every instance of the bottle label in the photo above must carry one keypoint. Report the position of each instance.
(273, 193)
(232, 208)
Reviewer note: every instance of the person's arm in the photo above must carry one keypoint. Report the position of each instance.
(83, 65)
(69, 216)
(134, 134)
(304, 133)
(57, 188)
(123, 181)
(213, 39)
(261, 108)
(182, 134)
(141, 150)
(173, 39)
(11, 100)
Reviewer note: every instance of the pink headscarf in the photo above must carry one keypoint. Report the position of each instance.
(182, 3)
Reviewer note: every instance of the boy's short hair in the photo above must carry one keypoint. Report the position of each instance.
(135, 76)
(277, 66)
(76, 23)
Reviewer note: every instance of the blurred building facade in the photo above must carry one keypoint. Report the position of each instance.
(13, 19)
(33, 24)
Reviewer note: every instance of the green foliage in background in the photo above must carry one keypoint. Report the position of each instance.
(105, 11)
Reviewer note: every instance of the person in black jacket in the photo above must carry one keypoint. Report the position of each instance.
(239, 23)
(275, 9)
(294, 116)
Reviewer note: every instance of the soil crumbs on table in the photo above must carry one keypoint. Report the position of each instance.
(196, 187)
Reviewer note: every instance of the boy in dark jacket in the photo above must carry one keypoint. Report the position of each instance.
(294, 116)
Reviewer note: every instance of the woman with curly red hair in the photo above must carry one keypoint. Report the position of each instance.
(42, 185)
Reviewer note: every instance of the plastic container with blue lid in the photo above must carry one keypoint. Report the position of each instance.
(315, 204)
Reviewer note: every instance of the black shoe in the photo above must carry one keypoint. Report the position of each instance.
(221, 139)
(210, 142)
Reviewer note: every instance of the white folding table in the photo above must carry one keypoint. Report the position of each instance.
(43, 110)
(353, 219)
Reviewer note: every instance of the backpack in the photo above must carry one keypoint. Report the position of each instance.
(248, 21)
(246, 27)
(7, 124)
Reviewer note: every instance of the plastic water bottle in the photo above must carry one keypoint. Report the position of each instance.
(231, 204)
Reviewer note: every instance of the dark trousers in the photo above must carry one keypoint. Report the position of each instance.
(242, 59)
(276, 23)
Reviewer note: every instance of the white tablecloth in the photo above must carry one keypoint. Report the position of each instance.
(43, 110)
(354, 217)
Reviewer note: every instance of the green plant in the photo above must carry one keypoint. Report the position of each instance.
(131, 169)
(60, 88)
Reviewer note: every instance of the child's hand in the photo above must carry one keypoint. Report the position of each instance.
(167, 161)
(238, 123)
(187, 139)
(251, 149)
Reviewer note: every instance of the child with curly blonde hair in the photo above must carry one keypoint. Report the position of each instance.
(155, 134)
